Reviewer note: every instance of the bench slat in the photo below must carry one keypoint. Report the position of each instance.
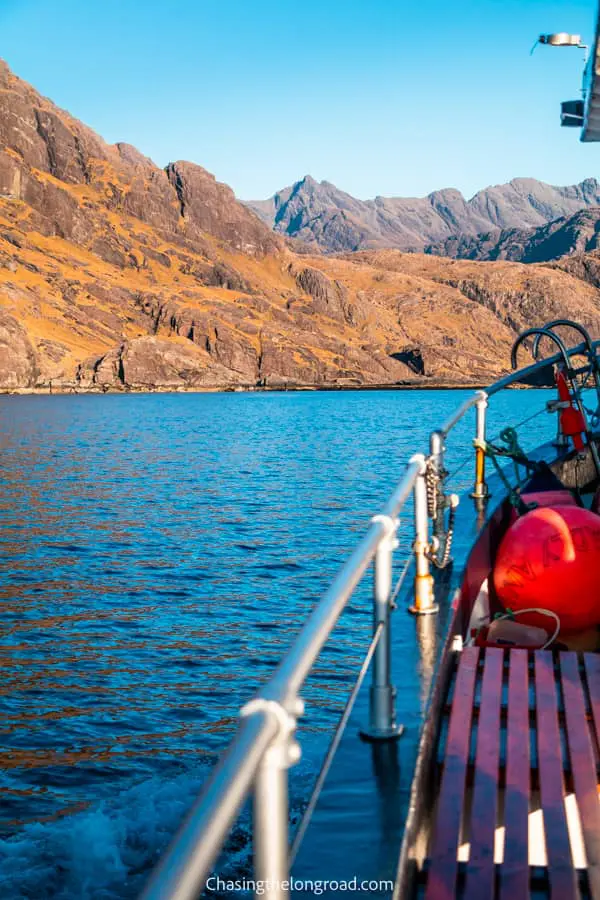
(480, 874)
(441, 880)
(592, 671)
(514, 871)
(583, 765)
(561, 871)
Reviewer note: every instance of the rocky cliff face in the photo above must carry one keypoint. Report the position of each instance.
(116, 274)
(575, 234)
(333, 221)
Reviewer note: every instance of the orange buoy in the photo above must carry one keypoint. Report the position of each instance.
(550, 558)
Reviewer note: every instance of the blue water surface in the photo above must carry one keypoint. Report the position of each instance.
(157, 555)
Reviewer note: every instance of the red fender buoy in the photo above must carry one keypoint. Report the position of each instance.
(550, 558)
(561, 497)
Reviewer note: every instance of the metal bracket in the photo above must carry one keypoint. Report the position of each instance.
(285, 751)
(392, 526)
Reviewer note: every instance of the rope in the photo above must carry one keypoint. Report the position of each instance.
(510, 614)
(337, 737)
(512, 451)
(528, 419)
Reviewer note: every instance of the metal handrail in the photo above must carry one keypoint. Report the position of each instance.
(183, 870)
(293, 671)
(462, 410)
(524, 374)
(264, 746)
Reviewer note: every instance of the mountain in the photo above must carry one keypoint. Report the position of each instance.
(326, 218)
(116, 274)
(570, 234)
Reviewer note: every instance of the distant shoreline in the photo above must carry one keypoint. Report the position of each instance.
(251, 389)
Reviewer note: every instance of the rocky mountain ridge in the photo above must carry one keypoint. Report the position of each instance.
(579, 233)
(116, 274)
(333, 221)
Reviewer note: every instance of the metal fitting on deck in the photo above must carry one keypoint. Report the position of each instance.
(285, 750)
(424, 585)
(480, 488)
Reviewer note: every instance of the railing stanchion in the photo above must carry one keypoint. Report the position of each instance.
(271, 801)
(270, 825)
(382, 705)
(436, 451)
(480, 489)
(424, 593)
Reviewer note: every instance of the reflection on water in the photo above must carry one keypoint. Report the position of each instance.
(157, 554)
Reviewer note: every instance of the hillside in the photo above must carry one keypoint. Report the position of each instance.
(117, 274)
(332, 221)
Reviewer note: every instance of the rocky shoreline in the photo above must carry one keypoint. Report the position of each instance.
(429, 385)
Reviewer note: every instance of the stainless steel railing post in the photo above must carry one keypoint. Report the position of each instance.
(436, 451)
(271, 804)
(270, 827)
(424, 593)
(480, 489)
(382, 705)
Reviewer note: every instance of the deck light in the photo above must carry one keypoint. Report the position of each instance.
(572, 112)
(561, 39)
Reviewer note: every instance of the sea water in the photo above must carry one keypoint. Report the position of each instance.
(157, 555)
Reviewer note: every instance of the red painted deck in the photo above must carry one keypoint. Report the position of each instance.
(521, 734)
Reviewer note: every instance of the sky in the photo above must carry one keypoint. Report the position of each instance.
(382, 97)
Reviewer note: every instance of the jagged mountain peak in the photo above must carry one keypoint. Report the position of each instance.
(310, 211)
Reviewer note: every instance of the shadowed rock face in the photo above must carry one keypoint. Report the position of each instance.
(211, 207)
(116, 274)
(333, 221)
(577, 234)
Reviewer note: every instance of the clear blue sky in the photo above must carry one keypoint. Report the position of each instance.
(390, 97)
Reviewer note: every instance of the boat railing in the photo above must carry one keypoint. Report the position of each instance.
(265, 746)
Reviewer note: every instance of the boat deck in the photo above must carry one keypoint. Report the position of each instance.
(517, 814)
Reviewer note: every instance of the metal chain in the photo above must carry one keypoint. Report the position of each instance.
(436, 502)
(432, 482)
(432, 557)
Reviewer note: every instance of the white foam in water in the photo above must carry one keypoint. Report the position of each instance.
(107, 853)
(103, 853)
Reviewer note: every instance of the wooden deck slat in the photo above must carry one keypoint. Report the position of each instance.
(583, 765)
(592, 671)
(441, 882)
(561, 871)
(514, 871)
(480, 874)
